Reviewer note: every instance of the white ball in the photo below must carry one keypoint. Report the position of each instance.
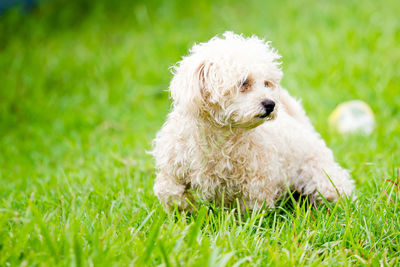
(352, 116)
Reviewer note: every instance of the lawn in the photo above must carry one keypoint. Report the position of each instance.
(83, 93)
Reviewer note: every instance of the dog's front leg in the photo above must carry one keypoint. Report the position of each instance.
(261, 193)
(171, 192)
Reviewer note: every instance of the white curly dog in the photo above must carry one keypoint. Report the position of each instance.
(235, 133)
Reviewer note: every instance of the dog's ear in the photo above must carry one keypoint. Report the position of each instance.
(188, 86)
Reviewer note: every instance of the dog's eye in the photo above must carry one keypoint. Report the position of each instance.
(245, 85)
(268, 84)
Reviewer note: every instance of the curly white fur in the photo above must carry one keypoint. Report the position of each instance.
(221, 141)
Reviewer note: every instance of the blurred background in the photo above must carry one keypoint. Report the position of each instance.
(83, 83)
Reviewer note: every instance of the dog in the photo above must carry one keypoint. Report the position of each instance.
(234, 135)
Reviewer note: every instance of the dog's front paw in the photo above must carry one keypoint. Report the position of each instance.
(183, 203)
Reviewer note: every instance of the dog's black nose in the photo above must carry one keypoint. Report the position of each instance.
(268, 106)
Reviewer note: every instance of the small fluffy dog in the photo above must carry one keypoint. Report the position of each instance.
(235, 133)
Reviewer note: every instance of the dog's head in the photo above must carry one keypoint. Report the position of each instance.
(234, 80)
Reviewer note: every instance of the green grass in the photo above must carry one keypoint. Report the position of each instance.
(83, 92)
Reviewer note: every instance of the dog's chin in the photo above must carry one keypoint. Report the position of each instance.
(265, 117)
(256, 121)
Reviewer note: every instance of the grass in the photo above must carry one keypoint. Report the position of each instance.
(82, 94)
